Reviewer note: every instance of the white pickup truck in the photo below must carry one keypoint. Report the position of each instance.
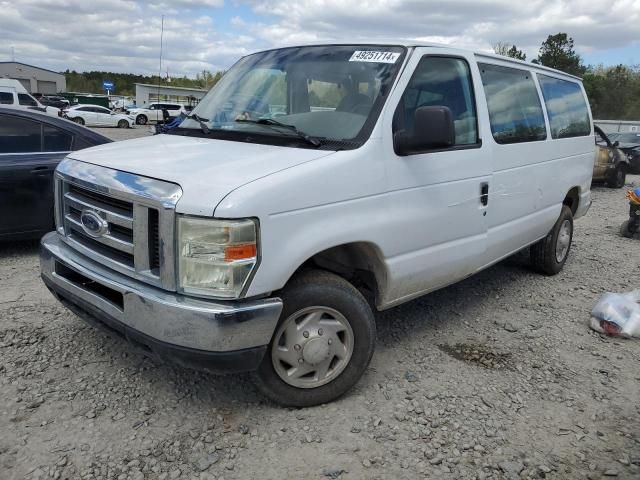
(251, 240)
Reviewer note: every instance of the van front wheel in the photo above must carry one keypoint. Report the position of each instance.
(549, 255)
(322, 345)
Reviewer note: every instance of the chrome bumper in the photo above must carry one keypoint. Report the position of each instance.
(164, 318)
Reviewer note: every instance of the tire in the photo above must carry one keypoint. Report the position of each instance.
(617, 178)
(549, 255)
(123, 124)
(322, 300)
(141, 120)
(78, 120)
(624, 230)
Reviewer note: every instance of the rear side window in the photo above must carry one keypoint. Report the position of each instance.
(18, 135)
(56, 140)
(24, 99)
(81, 142)
(514, 106)
(441, 81)
(6, 98)
(566, 107)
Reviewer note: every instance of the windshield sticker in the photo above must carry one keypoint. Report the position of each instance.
(376, 57)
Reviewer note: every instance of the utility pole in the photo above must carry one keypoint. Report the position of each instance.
(160, 65)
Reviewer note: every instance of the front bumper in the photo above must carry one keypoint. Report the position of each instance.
(213, 336)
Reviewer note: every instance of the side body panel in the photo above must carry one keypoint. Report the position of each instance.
(530, 181)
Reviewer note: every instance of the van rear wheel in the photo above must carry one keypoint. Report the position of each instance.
(549, 255)
(322, 345)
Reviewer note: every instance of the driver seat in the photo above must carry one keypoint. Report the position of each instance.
(358, 103)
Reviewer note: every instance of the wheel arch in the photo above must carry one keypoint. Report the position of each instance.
(361, 263)
(572, 199)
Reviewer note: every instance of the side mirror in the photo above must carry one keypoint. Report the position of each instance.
(616, 143)
(433, 129)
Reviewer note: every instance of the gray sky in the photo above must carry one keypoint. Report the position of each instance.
(124, 35)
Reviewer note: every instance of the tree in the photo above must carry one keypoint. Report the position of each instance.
(502, 48)
(557, 52)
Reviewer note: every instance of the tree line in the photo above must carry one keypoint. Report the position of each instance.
(124, 83)
(614, 92)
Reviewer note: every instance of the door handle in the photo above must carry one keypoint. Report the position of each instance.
(484, 193)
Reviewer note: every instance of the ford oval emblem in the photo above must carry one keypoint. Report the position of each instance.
(93, 224)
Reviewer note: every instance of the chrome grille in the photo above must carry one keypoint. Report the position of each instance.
(138, 213)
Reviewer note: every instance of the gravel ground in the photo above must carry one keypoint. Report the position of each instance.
(496, 377)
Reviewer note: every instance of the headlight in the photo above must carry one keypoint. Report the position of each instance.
(216, 257)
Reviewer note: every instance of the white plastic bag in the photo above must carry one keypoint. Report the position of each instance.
(617, 314)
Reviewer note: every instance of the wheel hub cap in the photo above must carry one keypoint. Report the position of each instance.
(312, 347)
(315, 351)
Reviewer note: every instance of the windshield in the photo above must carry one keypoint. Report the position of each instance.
(332, 94)
(625, 137)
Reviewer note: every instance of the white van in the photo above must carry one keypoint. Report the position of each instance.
(311, 186)
(14, 95)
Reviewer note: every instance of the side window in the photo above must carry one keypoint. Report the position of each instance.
(514, 106)
(152, 106)
(102, 110)
(173, 107)
(6, 98)
(441, 81)
(56, 140)
(18, 135)
(24, 99)
(566, 107)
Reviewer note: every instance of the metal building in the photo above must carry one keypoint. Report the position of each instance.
(34, 79)
(146, 94)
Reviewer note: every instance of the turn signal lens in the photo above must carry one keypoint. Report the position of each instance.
(240, 252)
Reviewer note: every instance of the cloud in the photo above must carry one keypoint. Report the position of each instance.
(124, 35)
(117, 35)
(477, 24)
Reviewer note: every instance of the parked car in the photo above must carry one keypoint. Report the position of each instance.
(154, 112)
(245, 242)
(97, 116)
(54, 101)
(629, 143)
(611, 164)
(31, 145)
(14, 95)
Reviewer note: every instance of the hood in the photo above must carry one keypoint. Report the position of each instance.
(206, 169)
(628, 146)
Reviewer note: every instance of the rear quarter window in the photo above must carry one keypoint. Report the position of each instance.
(56, 140)
(566, 107)
(515, 111)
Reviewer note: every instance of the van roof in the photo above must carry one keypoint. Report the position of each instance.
(411, 44)
(10, 82)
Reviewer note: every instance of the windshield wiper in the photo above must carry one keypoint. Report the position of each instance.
(202, 122)
(270, 121)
